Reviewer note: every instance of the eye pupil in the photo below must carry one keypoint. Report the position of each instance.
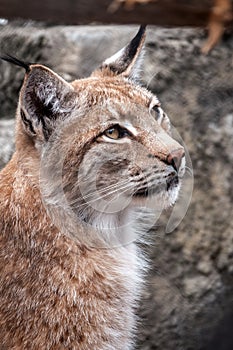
(113, 133)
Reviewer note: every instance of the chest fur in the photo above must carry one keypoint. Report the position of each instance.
(57, 294)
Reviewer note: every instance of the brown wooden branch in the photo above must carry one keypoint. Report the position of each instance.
(221, 14)
(159, 12)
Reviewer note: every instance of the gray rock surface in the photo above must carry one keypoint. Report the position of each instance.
(189, 293)
(7, 128)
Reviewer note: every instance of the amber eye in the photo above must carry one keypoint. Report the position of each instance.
(116, 132)
(113, 133)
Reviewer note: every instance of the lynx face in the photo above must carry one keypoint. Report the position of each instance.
(103, 143)
(130, 157)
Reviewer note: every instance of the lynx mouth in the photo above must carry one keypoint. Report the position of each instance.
(171, 182)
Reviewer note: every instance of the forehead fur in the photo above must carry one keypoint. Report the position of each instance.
(99, 90)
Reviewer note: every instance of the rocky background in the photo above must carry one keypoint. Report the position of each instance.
(188, 299)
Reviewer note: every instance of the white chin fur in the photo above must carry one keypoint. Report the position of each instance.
(173, 195)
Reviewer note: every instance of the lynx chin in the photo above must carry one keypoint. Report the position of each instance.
(91, 156)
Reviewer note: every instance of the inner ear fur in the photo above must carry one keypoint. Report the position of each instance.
(127, 61)
(44, 97)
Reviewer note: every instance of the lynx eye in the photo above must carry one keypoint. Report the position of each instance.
(156, 109)
(159, 113)
(116, 132)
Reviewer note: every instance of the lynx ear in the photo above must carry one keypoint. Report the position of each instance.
(44, 98)
(125, 62)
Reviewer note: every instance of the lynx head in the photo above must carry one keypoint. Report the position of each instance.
(103, 143)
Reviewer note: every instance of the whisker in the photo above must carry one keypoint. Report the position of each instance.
(107, 204)
(189, 170)
(107, 188)
(150, 80)
(107, 194)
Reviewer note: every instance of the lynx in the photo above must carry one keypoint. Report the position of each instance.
(90, 155)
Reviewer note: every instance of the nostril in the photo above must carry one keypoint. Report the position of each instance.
(175, 157)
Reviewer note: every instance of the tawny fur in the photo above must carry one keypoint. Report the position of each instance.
(57, 291)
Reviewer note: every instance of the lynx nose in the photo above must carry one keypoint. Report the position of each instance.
(175, 157)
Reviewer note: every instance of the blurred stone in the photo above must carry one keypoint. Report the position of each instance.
(6, 140)
(194, 286)
(204, 267)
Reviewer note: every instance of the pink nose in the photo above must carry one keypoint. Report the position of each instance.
(175, 157)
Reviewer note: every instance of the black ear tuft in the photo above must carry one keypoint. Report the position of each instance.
(127, 61)
(135, 43)
(16, 61)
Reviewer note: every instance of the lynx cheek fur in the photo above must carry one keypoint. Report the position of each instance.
(57, 291)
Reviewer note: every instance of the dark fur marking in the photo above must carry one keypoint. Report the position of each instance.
(27, 122)
(151, 155)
